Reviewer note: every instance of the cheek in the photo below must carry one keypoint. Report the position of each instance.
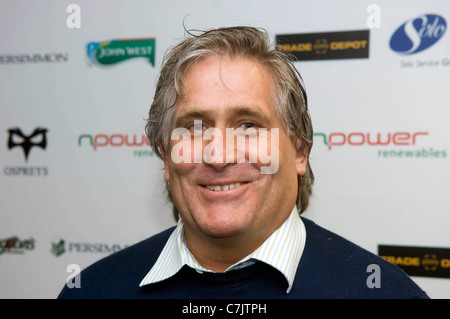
(175, 173)
(185, 151)
(181, 157)
(269, 151)
(288, 161)
(264, 150)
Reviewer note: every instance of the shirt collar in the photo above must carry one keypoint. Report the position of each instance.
(282, 250)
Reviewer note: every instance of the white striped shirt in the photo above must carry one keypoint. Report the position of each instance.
(282, 250)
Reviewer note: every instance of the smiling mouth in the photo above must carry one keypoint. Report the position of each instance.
(218, 188)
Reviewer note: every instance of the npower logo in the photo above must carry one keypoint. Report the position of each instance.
(333, 140)
(418, 34)
(399, 144)
(117, 140)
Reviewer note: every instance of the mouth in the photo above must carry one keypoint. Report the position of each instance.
(220, 188)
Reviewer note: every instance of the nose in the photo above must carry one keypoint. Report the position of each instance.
(218, 152)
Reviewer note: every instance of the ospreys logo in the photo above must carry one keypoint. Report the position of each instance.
(36, 139)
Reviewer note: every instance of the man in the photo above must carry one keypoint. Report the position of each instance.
(230, 122)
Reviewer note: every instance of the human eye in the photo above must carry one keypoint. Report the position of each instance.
(196, 127)
(248, 125)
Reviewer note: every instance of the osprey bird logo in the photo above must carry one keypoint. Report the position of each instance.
(37, 138)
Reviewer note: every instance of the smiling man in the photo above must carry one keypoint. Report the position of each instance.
(221, 98)
(224, 205)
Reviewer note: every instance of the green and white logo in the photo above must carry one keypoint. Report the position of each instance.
(115, 51)
(58, 248)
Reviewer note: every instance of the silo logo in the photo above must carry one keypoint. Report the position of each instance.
(418, 34)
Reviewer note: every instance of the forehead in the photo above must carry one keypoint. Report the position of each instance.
(223, 84)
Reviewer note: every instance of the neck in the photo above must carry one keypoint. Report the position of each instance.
(218, 254)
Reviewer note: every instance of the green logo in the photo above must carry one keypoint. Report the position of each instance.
(58, 248)
(115, 51)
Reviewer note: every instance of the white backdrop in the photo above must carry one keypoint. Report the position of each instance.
(95, 201)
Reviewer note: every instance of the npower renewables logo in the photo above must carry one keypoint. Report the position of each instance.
(418, 34)
(395, 144)
(115, 51)
(137, 142)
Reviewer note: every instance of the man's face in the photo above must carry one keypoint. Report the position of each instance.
(232, 93)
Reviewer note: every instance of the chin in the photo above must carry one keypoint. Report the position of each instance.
(223, 234)
(223, 227)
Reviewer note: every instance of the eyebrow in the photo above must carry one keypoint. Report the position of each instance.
(234, 111)
(191, 115)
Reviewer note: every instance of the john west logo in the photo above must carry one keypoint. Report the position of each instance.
(395, 144)
(60, 247)
(117, 140)
(325, 46)
(418, 261)
(115, 51)
(34, 141)
(14, 245)
(418, 34)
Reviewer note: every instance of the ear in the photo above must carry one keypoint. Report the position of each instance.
(166, 165)
(301, 159)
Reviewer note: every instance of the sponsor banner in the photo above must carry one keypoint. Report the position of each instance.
(418, 261)
(38, 138)
(393, 144)
(61, 247)
(418, 34)
(34, 58)
(35, 141)
(15, 245)
(117, 140)
(325, 45)
(115, 51)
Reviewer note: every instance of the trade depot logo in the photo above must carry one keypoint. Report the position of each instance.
(325, 46)
(385, 141)
(418, 261)
(117, 140)
(115, 51)
(418, 34)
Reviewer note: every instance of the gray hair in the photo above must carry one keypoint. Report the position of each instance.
(290, 99)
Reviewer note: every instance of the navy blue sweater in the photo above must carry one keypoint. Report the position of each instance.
(330, 267)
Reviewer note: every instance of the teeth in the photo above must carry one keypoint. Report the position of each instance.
(223, 187)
